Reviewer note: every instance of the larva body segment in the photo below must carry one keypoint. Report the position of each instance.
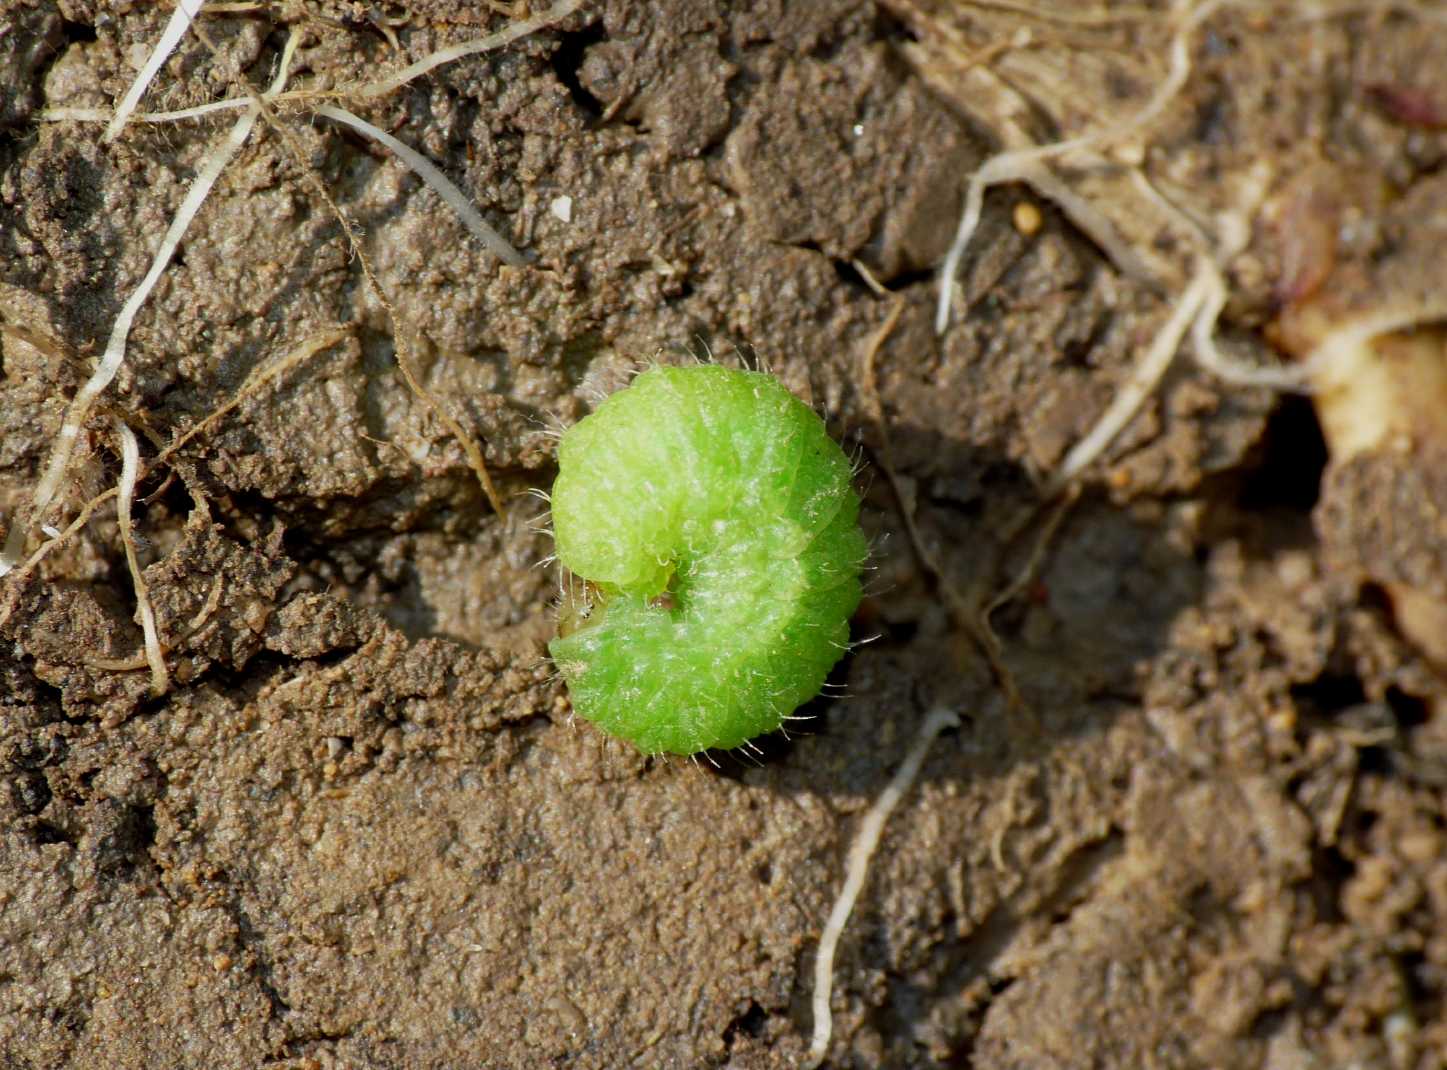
(718, 522)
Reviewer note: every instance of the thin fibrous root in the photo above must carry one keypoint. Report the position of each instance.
(210, 170)
(504, 36)
(139, 661)
(1197, 309)
(15, 583)
(401, 341)
(125, 496)
(115, 350)
(304, 97)
(1142, 383)
(857, 869)
(254, 382)
(976, 623)
(471, 218)
(1024, 165)
(186, 10)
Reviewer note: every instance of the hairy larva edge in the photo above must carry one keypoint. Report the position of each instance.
(715, 524)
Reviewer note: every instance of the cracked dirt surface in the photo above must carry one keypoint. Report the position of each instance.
(362, 829)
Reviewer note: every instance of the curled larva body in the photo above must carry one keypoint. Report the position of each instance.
(718, 522)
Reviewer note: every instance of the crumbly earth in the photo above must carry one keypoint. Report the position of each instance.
(362, 830)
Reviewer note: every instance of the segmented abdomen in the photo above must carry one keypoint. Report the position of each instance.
(724, 491)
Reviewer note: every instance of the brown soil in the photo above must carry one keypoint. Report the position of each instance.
(362, 829)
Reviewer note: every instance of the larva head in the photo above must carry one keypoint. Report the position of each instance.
(717, 521)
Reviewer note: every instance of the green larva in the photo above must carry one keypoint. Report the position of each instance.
(717, 522)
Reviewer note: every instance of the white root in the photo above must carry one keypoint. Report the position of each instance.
(365, 91)
(253, 383)
(125, 497)
(115, 351)
(505, 36)
(1197, 308)
(212, 165)
(471, 218)
(1142, 383)
(186, 10)
(866, 841)
(1022, 165)
(215, 161)
(1229, 370)
(101, 115)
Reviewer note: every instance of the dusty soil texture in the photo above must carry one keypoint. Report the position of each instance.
(362, 830)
